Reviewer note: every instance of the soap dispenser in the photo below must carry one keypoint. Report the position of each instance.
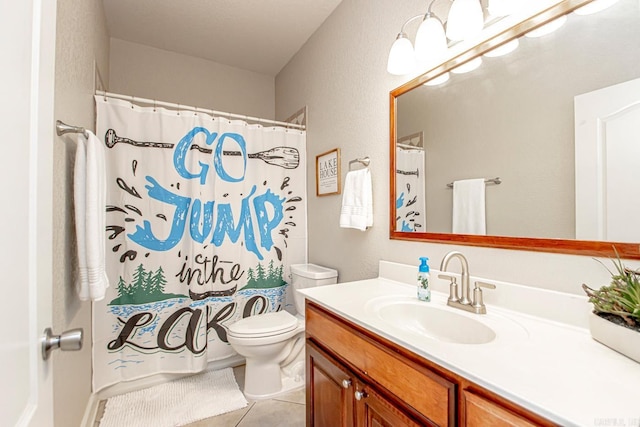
(424, 291)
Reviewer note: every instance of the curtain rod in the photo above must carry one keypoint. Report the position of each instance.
(180, 107)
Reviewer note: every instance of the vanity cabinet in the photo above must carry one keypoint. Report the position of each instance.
(351, 372)
(338, 398)
(357, 378)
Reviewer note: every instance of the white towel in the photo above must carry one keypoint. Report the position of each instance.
(89, 198)
(357, 200)
(469, 207)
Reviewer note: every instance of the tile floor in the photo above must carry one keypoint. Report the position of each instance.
(285, 411)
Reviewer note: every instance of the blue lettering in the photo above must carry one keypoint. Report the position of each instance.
(181, 150)
(266, 225)
(184, 146)
(206, 221)
(225, 225)
(217, 160)
(269, 211)
(144, 236)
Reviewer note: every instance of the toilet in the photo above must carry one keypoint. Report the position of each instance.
(273, 343)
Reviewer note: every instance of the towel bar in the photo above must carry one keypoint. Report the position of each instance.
(495, 180)
(364, 160)
(62, 128)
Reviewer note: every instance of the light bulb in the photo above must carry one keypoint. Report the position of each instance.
(595, 6)
(548, 28)
(466, 19)
(402, 59)
(431, 42)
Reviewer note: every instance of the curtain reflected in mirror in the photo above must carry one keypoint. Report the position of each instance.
(410, 173)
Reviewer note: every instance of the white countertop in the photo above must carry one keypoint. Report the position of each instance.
(551, 368)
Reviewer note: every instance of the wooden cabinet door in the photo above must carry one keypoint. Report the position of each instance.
(373, 410)
(330, 388)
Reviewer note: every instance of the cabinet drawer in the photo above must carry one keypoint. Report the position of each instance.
(482, 412)
(422, 389)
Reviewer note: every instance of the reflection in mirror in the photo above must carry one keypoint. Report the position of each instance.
(536, 118)
(410, 201)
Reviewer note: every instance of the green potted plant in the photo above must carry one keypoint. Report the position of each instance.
(615, 320)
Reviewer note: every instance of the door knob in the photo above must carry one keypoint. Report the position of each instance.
(359, 395)
(346, 383)
(70, 340)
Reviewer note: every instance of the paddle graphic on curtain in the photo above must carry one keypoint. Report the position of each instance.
(204, 218)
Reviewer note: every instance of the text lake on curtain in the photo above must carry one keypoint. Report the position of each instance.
(204, 217)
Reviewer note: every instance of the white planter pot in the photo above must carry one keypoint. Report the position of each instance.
(621, 339)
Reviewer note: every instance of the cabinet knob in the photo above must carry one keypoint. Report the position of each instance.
(359, 395)
(346, 383)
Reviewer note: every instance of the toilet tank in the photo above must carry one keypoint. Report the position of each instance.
(308, 276)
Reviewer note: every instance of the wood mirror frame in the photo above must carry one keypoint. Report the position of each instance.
(577, 247)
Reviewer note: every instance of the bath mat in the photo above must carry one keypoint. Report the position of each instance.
(176, 403)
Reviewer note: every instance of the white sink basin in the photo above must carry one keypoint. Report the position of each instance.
(439, 322)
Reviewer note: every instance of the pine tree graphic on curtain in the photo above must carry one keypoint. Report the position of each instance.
(146, 287)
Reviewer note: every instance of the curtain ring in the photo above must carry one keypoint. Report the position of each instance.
(195, 112)
(132, 98)
(178, 109)
(154, 105)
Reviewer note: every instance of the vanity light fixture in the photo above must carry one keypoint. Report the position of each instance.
(430, 39)
(464, 21)
(402, 59)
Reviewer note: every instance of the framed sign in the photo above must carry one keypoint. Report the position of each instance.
(328, 173)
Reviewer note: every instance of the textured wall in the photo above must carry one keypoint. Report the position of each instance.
(340, 73)
(152, 73)
(81, 40)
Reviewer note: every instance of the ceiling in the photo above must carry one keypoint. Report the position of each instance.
(255, 35)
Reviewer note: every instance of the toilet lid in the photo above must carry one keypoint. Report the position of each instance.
(264, 324)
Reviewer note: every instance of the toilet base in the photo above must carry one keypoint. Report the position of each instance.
(290, 378)
(288, 385)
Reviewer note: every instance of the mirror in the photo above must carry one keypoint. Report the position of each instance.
(526, 118)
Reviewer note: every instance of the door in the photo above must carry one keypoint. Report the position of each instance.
(373, 410)
(330, 391)
(607, 138)
(27, 34)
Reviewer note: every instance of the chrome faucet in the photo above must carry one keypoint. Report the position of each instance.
(477, 304)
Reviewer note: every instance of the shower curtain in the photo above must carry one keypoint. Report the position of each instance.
(204, 217)
(410, 200)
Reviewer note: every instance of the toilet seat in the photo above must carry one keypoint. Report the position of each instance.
(264, 325)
